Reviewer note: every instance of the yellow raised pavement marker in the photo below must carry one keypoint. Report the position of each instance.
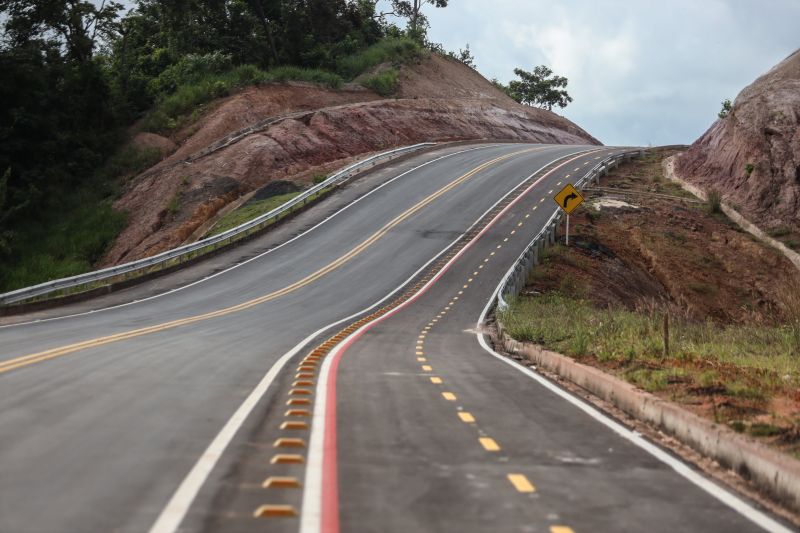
(299, 392)
(297, 412)
(281, 482)
(521, 483)
(269, 511)
(298, 401)
(294, 424)
(287, 458)
(284, 442)
(489, 444)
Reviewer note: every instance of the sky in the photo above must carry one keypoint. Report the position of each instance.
(641, 72)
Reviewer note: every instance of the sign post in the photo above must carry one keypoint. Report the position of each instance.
(568, 199)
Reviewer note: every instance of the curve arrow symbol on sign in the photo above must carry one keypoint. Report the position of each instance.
(570, 196)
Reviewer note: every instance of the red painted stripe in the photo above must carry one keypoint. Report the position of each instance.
(329, 522)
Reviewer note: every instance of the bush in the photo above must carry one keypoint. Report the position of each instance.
(313, 75)
(713, 201)
(396, 50)
(173, 108)
(385, 83)
(727, 107)
(748, 169)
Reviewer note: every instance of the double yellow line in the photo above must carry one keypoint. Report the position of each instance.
(38, 357)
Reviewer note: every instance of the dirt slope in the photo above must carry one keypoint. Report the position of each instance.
(295, 131)
(763, 130)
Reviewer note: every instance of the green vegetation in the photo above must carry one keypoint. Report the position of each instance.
(173, 110)
(573, 326)
(383, 83)
(539, 88)
(713, 201)
(79, 73)
(748, 169)
(727, 107)
(392, 49)
(780, 231)
(250, 211)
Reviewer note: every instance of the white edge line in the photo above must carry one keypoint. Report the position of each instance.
(177, 507)
(726, 497)
(311, 512)
(259, 256)
(173, 513)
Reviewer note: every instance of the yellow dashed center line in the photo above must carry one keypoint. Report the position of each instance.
(449, 396)
(426, 368)
(436, 381)
(561, 529)
(521, 483)
(18, 362)
(489, 444)
(466, 417)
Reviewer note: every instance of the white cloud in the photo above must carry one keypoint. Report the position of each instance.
(641, 71)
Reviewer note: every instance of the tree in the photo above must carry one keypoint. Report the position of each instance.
(75, 25)
(412, 10)
(540, 88)
(465, 56)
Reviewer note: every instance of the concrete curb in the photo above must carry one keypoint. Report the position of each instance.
(774, 473)
(749, 227)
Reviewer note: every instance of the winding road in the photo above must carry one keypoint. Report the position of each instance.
(330, 376)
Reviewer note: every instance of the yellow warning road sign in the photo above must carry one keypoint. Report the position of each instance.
(568, 198)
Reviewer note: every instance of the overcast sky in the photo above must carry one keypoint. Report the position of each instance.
(641, 72)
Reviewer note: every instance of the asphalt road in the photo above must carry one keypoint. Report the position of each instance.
(167, 413)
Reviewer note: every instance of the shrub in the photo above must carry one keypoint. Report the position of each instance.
(727, 107)
(313, 75)
(385, 83)
(748, 169)
(396, 50)
(319, 178)
(713, 201)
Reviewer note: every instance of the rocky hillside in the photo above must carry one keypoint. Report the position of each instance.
(753, 155)
(295, 131)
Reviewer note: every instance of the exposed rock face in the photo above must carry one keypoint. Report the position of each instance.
(294, 131)
(753, 156)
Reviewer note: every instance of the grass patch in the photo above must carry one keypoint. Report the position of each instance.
(394, 50)
(623, 336)
(130, 160)
(384, 83)
(780, 231)
(69, 246)
(249, 211)
(180, 106)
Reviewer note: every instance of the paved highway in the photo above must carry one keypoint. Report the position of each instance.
(223, 406)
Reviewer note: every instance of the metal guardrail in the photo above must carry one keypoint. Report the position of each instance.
(517, 275)
(181, 254)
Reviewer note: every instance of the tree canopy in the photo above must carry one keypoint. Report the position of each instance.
(78, 73)
(540, 88)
